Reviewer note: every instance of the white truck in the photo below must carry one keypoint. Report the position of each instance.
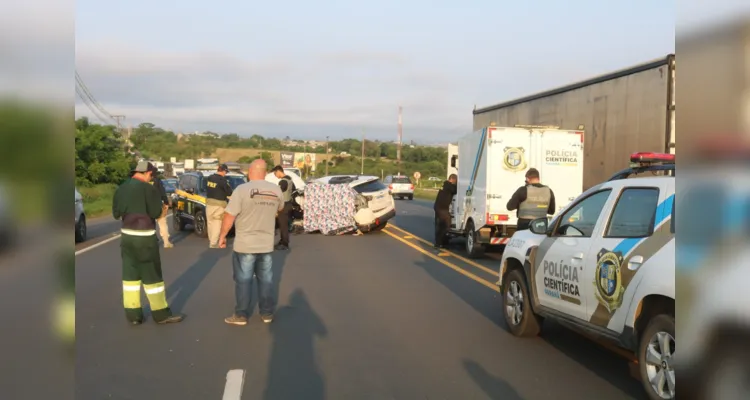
(494, 163)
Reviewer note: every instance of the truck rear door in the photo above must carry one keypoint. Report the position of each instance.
(509, 157)
(560, 164)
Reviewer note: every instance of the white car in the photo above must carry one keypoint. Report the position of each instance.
(80, 219)
(604, 266)
(380, 206)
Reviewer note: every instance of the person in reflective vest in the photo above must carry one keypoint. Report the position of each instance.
(532, 200)
(218, 192)
(283, 220)
(138, 204)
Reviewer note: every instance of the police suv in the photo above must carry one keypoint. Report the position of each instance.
(604, 266)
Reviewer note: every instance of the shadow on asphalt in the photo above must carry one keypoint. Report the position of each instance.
(472, 293)
(492, 386)
(180, 290)
(292, 370)
(602, 362)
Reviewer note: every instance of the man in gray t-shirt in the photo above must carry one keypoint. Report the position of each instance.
(252, 210)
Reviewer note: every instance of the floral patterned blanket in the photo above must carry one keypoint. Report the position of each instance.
(330, 209)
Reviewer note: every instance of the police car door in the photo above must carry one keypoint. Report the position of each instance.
(635, 230)
(560, 259)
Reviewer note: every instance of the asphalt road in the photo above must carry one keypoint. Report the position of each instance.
(379, 316)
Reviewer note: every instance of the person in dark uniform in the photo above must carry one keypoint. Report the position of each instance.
(218, 191)
(138, 204)
(283, 220)
(532, 200)
(442, 211)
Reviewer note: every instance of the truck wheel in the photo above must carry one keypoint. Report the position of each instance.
(177, 224)
(517, 306)
(655, 354)
(201, 225)
(473, 248)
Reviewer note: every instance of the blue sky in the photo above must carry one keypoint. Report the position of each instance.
(311, 69)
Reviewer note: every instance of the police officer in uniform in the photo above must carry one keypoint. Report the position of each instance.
(138, 204)
(283, 219)
(217, 192)
(532, 201)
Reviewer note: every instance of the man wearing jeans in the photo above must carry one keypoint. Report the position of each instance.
(252, 209)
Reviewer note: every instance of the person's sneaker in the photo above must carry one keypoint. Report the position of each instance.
(281, 247)
(171, 320)
(267, 318)
(236, 320)
(136, 322)
(213, 246)
(168, 245)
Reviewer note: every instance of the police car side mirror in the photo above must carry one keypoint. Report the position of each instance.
(190, 190)
(539, 226)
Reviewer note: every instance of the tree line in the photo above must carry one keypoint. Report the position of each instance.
(103, 155)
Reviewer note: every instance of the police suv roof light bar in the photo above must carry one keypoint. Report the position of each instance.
(647, 162)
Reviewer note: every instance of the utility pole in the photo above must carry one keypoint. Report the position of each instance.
(118, 118)
(400, 132)
(327, 156)
(362, 168)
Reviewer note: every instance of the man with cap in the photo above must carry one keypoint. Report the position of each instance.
(283, 219)
(218, 192)
(138, 204)
(532, 200)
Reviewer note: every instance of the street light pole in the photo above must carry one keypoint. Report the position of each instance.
(327, 156)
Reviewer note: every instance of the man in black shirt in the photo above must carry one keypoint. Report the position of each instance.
(442, 210)
(532, 201)
(284, 216)
(217, 192)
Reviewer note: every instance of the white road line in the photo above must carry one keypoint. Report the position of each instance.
(95, 245)
(235, 382)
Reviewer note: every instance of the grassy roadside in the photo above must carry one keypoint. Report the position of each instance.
(97, 200)
(425, 194)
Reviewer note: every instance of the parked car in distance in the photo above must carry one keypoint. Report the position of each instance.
(400, 186)
(80, 218)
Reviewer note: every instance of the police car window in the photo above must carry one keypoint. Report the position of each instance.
(581, 219)
(634, 213)
(203, 183)
(369, 187)
(702, 206)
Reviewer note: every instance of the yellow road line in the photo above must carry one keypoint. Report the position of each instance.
(446, 263)
(464, 259)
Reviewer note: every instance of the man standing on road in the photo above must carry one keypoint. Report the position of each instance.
(217, 192)
(283, 220)
(139, 204)
(252, 209)
(162, 220)
(442, 211)
(532, 201)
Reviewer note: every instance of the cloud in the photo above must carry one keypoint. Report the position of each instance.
(325, 89)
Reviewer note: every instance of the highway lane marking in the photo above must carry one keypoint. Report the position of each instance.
(444, 262)
(464, 259)
(105, 241)
(234, 385)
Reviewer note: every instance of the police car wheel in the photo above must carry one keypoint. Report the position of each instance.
(201, 226)
(177, 223)
(655, 357)
(517, 311)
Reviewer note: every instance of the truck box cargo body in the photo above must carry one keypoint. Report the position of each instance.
(622, 112)
(494, 161)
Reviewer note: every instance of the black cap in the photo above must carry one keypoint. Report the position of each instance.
(223, 167)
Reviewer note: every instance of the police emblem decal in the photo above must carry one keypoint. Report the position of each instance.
(514, 158)
(608, 279)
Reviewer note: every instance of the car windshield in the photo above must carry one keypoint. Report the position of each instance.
(401, 179)
(235, 181)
